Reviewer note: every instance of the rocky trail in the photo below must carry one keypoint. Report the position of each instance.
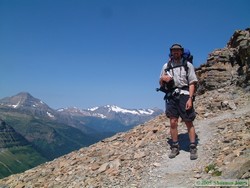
(181, 171)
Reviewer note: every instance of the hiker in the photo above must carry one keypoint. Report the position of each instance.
(180, 79)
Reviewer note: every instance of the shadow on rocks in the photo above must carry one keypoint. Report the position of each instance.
(184, 141)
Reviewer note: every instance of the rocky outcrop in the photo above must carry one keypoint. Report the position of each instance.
(227, 66)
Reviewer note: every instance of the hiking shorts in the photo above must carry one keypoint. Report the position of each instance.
(176, 107)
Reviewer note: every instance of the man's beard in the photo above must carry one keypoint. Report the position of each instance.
(176, 57)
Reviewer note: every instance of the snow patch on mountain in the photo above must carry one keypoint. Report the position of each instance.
(135, 112)
(99, 115)
(147, 112)
(92, 109)
(15, 106)
(118, 109)
(50, 115)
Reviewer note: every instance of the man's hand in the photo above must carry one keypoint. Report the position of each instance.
(189, 104)
(165, 78)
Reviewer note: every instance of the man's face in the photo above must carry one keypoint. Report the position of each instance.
(176, 53)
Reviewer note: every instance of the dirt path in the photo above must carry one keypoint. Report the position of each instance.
(181, 171)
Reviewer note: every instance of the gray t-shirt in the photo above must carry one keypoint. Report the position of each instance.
(180, 76)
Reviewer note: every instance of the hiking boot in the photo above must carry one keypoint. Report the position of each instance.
(193, 152)
(174, 151)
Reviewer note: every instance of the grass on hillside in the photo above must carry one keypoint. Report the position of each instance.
(18, 159)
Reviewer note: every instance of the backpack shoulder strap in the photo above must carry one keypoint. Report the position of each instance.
(184, 63)
(169, 66)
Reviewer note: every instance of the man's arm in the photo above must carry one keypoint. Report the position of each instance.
(189, 103)
(191, 89)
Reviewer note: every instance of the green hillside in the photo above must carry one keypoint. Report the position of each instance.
(16, 153)
(18, 159)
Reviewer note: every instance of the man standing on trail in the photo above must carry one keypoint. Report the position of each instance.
(178, 77)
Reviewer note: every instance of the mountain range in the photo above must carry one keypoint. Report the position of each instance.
(51, 133)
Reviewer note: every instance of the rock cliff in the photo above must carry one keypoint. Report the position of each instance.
(227, 66)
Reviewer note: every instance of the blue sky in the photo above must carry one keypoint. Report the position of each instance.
(87, 53)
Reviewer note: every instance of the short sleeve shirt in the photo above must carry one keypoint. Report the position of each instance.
(180, 75)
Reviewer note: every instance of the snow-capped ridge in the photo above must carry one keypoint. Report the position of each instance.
(93, 108)
(117, 109)
(108, 111)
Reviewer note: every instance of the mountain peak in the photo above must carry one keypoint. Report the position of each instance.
(24, 94)
(22, 99)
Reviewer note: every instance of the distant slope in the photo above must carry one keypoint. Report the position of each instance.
(18, 159)
(9, 137)
(16, 153)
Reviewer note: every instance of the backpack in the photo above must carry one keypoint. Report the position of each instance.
(187, 55)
